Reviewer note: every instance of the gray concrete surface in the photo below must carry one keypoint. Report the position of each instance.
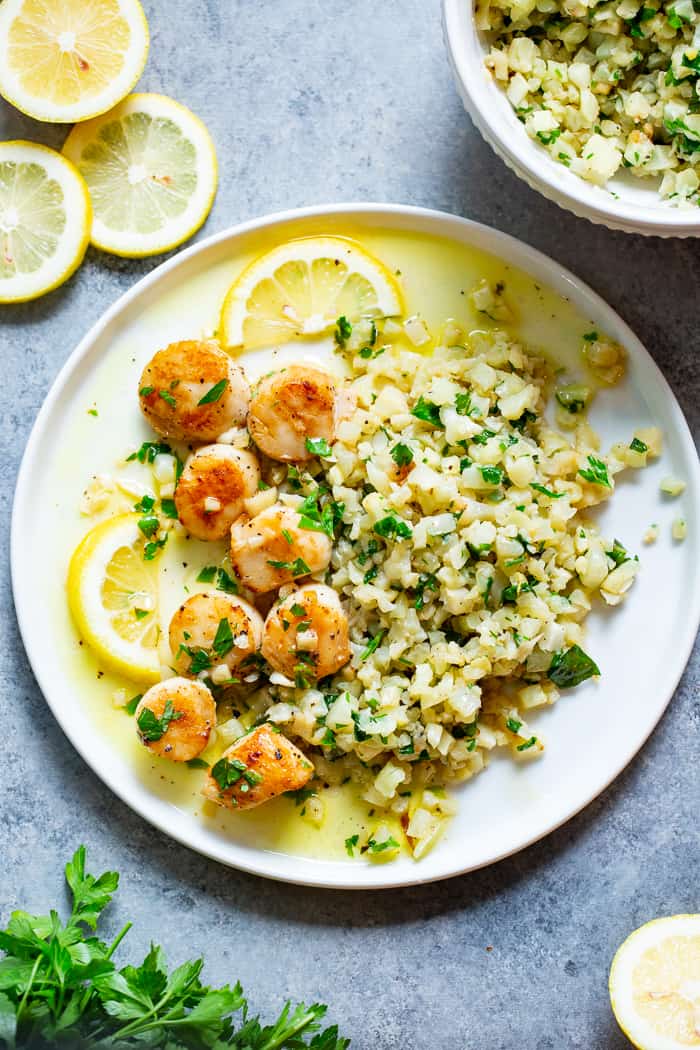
(312, 101)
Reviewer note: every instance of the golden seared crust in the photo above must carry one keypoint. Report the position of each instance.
(306, 635)
(187, 734)
(290, 406)
(275, 765)
(211, 490)
(194, 627)
(263, 556)
(177, 378)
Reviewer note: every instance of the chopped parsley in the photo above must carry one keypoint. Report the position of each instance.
(545, 491)
(225, 583)
(351, 844)
(145, 504)
(131, 705)
(393, 526)
(215, 393)
(319, 447)
(317, 518)
(427, 581)
(298, 567)
(146, 391)
(151, 727)
(548, 137)
(373, 644)
(482, 438)
(513, 725)
(463, 404)
(153, 546)
(618, 553)
(197, 763)
(228, 771)
(527, 744)
(223, 639)
(638, 446)
(402, 455)
(148, 452)
(149, 525)
(379, 847)
(491, 475)
(598, 473)
(370, 575)
(207, 574)
(343, 330)
(591, 337)
(168, 508)
(428, 412)
(168, 398)
(571, 667)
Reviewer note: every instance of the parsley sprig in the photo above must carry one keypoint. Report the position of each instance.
(61, 984)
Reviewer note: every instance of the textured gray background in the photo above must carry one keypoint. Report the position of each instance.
(312, 101)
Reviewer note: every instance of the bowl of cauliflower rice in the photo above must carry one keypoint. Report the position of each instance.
(593, 104)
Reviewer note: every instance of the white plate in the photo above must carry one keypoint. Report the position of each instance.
(592, 733)
(635, 206)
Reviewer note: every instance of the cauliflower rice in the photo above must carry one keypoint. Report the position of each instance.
(463, 560)
(604, 86)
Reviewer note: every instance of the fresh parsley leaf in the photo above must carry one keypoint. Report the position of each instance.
(197, 763)
(148, 452)
(226, 583)
(545, 491)
(319, 447)
(598, 473)
(228, 771)
(152, 727)
(428, 412)
(207, 574)
(571, 667)
(351, 844)
(131, 705)
(491, 475)
(373, 644)
(214, 393)
(223, 639)
(343, 330)
(402, 455)
(90, 895)
(393, 526)
(168, 508)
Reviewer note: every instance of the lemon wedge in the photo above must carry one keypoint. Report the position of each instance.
(655, 984)
(150, 167)
(44, 220)
(113, 596)
(301, 288)
(68, 60)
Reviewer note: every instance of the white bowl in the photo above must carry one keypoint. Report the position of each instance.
(635, 206)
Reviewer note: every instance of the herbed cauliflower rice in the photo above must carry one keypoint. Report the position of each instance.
(463, 560)
(604, 86)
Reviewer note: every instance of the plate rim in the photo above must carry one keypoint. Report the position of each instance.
(504, 246)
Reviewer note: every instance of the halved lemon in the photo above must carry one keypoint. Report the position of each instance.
(113, 596)
(45, 220)
(68, 60)
(655, 984)
(301, 288)
(150, 166)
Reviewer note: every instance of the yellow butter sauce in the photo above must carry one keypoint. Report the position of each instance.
(436, 276)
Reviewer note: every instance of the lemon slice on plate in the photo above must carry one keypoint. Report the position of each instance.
(655, 984)
(150, 166)
(68, 60)
(301, 288)
(44, 220)
(113, 596)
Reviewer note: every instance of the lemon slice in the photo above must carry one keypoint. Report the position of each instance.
(113, 596)
(150, 166)
(44, 220)
(655, 984)
(301, 288)
(68, 60)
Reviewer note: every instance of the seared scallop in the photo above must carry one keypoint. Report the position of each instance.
(306, 635)
(272, 549)
(216, 635)
(174, 719)
(257, 768)
(291, 406)
(212, 488)
(193, 391)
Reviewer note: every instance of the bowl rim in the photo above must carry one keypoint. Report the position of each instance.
(533, 164)
(302, 870)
